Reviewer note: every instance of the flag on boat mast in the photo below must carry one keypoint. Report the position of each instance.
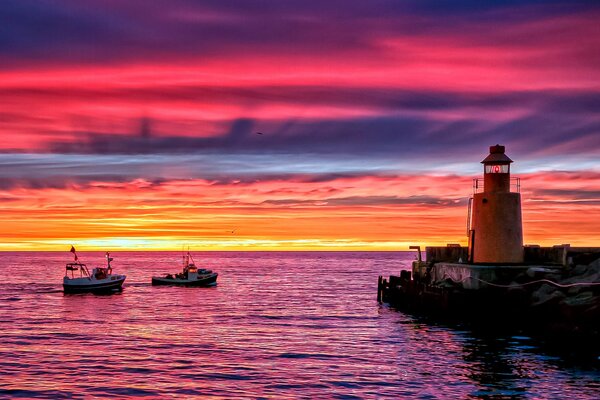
(73, 251)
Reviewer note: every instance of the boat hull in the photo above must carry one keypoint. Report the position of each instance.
(104, 285)
(208, 280)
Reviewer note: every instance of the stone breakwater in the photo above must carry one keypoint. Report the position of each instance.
(572, 305)
(557, 301)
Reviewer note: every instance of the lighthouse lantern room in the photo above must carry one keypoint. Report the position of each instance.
(496, 231)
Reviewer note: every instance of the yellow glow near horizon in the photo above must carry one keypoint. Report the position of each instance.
(364, 213)
(157, 244)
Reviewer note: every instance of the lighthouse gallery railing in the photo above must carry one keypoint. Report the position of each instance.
(515, 185)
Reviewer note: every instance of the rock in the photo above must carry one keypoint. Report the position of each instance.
(588, 278)
(579, 270)
(556, 277)
(540, 272)
(547, 295)
(543, 291)
(586, 298)
(522, 278)
(446, 283)
(575, 290)
(583, 273)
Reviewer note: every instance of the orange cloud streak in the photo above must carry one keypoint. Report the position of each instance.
(367, 213)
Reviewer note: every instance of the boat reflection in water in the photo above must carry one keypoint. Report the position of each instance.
(190, 276)
(81, 280)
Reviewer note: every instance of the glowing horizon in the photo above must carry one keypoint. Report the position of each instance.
(258, 216)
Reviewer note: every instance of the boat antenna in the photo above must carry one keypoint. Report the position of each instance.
(108, 258)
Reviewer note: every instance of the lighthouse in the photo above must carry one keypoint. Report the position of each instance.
(496, 230)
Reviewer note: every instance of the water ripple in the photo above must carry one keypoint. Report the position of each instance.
(278, 325)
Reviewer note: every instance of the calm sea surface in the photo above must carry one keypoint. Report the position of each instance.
(278, 325)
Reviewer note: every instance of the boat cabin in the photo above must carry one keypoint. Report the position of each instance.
(101, 273)
(76, 266)
(98, 273)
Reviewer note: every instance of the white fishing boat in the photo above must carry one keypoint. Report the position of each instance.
(190, 276)
(98, 280)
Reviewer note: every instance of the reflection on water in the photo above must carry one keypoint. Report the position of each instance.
(284, 325)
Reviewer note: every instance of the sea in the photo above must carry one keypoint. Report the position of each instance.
(279, 325)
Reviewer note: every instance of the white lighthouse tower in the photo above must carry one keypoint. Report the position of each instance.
(496, 231)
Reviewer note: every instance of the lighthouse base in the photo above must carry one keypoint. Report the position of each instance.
(469, 276)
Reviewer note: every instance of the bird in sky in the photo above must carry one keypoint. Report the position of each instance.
(259, 133)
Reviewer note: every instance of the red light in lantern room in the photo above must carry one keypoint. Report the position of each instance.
(496, 169)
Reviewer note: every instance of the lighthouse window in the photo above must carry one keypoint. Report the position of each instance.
(496, 169)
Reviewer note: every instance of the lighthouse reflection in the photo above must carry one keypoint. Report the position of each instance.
(496, 368)
(486, 364)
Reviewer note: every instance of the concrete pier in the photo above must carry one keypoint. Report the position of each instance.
(473, 277)
(496, 279)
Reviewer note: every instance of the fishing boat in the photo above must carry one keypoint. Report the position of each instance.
(190, 276)
(98, 280)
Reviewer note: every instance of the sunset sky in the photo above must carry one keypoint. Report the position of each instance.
(134, 124)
